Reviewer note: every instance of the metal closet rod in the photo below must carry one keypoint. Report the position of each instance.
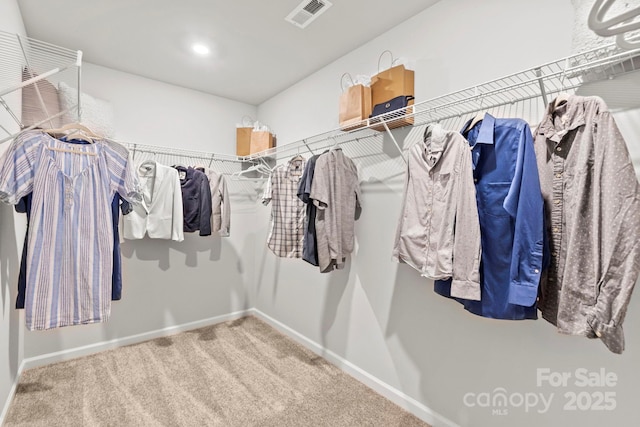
(176, 152)
(537, 82)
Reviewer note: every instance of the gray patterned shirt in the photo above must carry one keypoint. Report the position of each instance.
(336, 193)
(592, 215)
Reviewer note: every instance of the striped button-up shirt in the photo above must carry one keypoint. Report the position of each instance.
(70, 247)
(286, 237)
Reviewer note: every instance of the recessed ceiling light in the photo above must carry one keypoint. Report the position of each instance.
(200, 49)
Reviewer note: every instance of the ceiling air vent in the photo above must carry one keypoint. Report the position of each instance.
(307, 11)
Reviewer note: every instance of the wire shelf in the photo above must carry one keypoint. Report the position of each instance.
(538, 84)
(25, 64)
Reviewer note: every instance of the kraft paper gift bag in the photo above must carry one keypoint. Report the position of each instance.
(260, 141)
(243, 136)
(261, 138)
(390, 84)
(355, 105)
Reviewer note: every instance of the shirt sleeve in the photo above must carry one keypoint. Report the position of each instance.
(525, 204)
(17, 169)
(620, 235)
(358, 192)
(225, 218)
(177, 225)
(465, 281)
(205, 206)
(267, 194)
(320, 186)
(124, 179)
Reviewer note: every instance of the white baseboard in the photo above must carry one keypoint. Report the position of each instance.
(59, 356)
(12, 393)
(398, 397)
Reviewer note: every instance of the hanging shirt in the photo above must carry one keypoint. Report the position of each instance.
(310, 248)
(220, 202)
(438, 232)
(160, 215)
(336, 193)
(24, 206)
(592, 208)
(70, 247)
(196, 200)
(286, 236)
(510, 209)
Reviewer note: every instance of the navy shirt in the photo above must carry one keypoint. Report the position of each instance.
(196, 200)
(510, 207)
(310, 246)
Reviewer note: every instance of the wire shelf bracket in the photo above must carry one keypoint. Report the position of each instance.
(28, 62)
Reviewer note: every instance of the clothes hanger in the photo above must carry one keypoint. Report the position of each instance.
(476, 119)
(260, 168)
(335, 145)
(428, 131)
(562, 98)
(74, 131)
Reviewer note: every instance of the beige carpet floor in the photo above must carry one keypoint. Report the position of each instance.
(240, 373)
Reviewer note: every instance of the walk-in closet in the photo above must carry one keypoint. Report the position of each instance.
(319, 213)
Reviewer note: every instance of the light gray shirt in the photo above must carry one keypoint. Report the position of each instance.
(438, 232)
(220, 202)
(336, 192)
(592, 214)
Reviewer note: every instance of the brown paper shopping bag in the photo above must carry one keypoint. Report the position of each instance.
(261, 140)
(355, 105)
(392, 83)
(243, 136)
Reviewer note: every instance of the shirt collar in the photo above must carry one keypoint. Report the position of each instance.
(557, 122)
(434, 145)
(295, 168)
(486, 132)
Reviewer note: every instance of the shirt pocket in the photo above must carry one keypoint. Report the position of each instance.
(441, 187)
(492, 196)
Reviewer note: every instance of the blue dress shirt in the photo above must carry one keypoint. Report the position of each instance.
(510, 207)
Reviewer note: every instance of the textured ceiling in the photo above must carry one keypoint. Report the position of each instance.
(255, 52)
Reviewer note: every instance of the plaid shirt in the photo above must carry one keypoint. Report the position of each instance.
(287, 210)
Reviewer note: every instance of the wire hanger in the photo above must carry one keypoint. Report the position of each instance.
(261, 168)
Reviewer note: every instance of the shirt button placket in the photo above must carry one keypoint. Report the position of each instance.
(428, 211)
(68, 193)
(557, 208)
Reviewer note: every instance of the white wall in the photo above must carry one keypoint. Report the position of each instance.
(383, 317)
(166, 284)
(10, 320)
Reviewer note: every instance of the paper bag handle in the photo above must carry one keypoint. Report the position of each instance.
(380, 58)
(244, 120)
(342, 80)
